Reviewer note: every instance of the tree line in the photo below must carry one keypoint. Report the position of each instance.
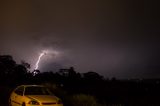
(87, 87)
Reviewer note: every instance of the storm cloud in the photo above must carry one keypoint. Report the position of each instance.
(114, 38)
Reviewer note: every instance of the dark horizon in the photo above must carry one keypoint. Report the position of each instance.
(113, 38)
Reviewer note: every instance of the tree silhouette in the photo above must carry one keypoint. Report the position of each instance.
(92, 76)
(11, 72)
(7, 65)
(25, 64)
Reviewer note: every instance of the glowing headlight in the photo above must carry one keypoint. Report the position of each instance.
(33, 102)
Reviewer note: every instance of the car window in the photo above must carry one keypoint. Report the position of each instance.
(19, 91)
(37, 91)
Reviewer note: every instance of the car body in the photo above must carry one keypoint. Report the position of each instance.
(33, 95)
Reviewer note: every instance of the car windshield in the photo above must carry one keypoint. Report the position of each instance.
(37, 91)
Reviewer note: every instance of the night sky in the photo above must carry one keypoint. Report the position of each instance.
(115, 38)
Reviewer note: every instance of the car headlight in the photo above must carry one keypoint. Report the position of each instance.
(33, 102)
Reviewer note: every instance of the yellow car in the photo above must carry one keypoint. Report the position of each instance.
(33, 95)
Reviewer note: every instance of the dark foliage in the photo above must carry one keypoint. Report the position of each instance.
(67, 83)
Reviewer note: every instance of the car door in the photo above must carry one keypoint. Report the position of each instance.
(17, 96)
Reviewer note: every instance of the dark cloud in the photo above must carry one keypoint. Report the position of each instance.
(114, 38)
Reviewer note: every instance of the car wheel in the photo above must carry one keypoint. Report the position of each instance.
(23, 104)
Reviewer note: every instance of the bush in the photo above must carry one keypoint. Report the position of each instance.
(74, 100)
(55, 89)
(83, 100)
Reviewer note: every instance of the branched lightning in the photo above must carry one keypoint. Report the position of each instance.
(45, 52)
(39, 59)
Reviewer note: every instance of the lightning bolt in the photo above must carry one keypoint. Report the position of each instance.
(39, 59)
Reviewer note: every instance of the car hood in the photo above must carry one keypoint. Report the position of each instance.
(43, 98)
